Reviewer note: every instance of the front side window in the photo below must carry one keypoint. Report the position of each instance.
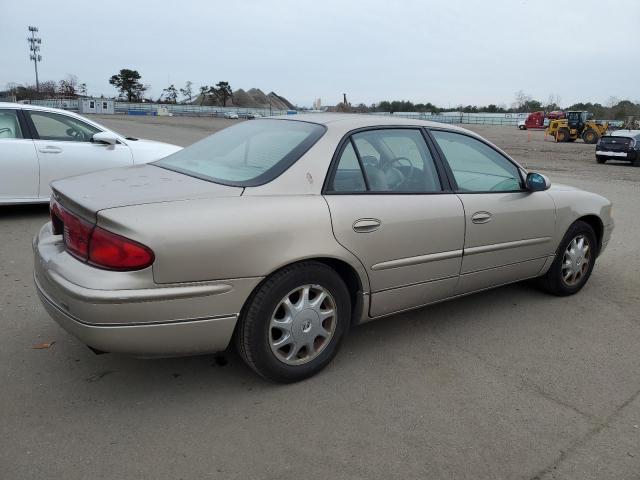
(9, 125)
(61, 128)
(247, 154)
(387, 160)
(476, 166)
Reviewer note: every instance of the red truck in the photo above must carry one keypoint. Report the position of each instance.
(539, 120)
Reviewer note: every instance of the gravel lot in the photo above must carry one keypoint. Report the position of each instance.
(509, 384)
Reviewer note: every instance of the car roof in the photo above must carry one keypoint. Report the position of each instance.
(352, 121)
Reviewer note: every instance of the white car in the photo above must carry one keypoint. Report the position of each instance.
(231, 115)
(39, 145)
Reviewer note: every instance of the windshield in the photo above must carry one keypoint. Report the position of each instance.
(248, 154)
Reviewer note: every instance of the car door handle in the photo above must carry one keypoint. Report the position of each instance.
(366, 225)
(50, 149)
(481, 217)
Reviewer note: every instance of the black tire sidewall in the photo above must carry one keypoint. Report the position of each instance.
(264, 302)
(555, 282)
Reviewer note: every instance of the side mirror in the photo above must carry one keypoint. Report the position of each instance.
(536, 182)
(104, 137)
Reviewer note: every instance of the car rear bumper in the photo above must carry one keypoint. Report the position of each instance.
(126, 312)
(629, 155)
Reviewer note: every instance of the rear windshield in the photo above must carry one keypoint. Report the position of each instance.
(611, 139)
(248, 154)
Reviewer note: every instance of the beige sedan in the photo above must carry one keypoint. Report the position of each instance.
(283, 233)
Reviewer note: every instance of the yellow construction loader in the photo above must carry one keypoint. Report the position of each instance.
(577, 125)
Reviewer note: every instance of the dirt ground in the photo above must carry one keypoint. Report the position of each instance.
(506, 384)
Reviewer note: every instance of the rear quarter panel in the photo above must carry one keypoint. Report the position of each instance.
(230, 237)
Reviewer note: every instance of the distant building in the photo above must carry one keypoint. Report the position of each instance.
(97, 105)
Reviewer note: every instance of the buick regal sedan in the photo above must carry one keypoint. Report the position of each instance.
(280, 234)
(39, 145)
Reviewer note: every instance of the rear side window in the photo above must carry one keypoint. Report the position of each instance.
(9, 125)
(476, 166)
(386, 160)
(246, 154)
(348, 177)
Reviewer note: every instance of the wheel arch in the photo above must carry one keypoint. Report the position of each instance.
(598, 227)
(355, 283)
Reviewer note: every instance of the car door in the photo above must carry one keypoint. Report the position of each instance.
(65, 148)
(18, 160)
(391, 208)
(509, 229)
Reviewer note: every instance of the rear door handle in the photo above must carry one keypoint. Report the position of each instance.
(50, 149)
(366, 225)
(481, 217)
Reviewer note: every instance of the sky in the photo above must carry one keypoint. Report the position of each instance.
(449, 53)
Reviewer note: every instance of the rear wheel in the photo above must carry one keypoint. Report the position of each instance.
(601, 159)
(590, 136)
(563, 135)
(294, 323)
(574, 261)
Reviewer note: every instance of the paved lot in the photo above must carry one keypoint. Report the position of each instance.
(507, 384)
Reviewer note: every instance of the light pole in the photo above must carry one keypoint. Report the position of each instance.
(34, 48)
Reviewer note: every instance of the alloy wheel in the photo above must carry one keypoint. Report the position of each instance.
(302, 324)
(576, 260)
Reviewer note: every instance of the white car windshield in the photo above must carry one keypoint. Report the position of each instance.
(247, 154)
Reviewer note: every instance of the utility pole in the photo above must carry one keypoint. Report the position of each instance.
(34, 48)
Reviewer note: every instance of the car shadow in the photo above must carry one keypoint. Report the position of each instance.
(23, 211)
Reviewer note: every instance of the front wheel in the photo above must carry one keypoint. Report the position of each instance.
(574, 261)
(294, 323)
(590, 136)
(563, 135)
(601, 159)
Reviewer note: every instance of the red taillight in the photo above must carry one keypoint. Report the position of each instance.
(114, 252)
(97, 246)
(77, 234)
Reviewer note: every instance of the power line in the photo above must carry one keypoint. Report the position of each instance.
(34, 48)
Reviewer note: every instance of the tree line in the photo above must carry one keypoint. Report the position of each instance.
(614, 109)
(129, 84)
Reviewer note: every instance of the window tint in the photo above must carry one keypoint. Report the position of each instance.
(247, 154)
(348, 177)
(397, 160)
(476, 166)
(62, 128)
(9, 125)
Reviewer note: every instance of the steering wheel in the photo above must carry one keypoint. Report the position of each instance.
(400, 178)
(76, 134)
(5, 129)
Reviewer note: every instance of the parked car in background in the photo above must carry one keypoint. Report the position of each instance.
(619, 145)
(283, 233)
(39, 145)
(253, 115)
(231, 115)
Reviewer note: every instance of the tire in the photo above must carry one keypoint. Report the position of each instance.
(554, 281)
(601, 160)
(522, 127)
(563, 135)
(590, 136)
(266, 320)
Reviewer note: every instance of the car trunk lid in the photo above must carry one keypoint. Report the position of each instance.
(614, 143)
(120, 187)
